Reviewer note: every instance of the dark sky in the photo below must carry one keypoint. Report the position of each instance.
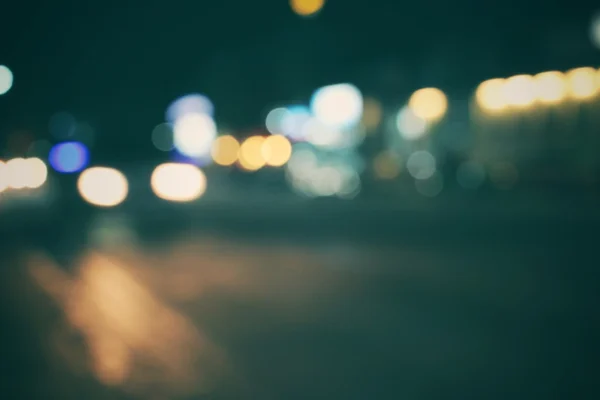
(117, 65)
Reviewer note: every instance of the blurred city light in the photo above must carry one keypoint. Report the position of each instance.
(17, 173)
(332, 138)
(519, 91)
(550, 87)
(194, 135)
(225, 150)
(490, 95)
(6, 79)
(387, 165)
(36, 173)
(582, 83)
(410, 125)
(274, 120)
(293, 122)
(321, 135)
(21, 173)
(68, 157)
(303, 159)
(189, 104)
(372, 113)
(306, 7)
(313, 173)
(62, 126)
(178, 182)
(162, 137)
(429, 103)
(595, 30)
(103, 187)
(338, 105)
(251, 154)
(276, 150)
(351, 183)
(4, 179)
(421, 164)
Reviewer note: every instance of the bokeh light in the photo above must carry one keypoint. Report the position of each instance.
(68, 157)
(372, 113)
(162, 137)
(103, 187)
(17, 173)
(189, 104)
(595, 30)
(338, 105)
(21, 173)
(225, 150)
(490, 95)
(6, 79)
(582, 83)
(421, 164)
(410, 125)
(303, 159)
(550, 87)
(519, 91)
(194, 135)
(274, 120)
(36, 173)
(4, 179)
(387, 165)
(250, 154)
(293, 122)
(276, 150)
(313, 173)
(178, 182)
(332, 138)
(306, 8)
(429, 103)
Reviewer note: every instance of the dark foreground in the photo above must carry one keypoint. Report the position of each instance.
(394, 308)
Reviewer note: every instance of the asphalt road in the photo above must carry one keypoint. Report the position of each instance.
(228, 308)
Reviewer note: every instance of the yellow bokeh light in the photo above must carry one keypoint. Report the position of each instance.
(371, 114)
(276, 150)
(306, 7)
(428, 103)
(250, 155)
(37, 173)
(17, 173)
(178, 182)
(386, 165)
(519, 91)
(103, 187)
(490, 95)
(225, 150)
(550, 87)
(582, 83)
(21, 173)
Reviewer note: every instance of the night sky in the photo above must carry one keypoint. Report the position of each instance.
(117, 65)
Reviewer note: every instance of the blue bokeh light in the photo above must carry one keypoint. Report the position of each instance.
(68, 157)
